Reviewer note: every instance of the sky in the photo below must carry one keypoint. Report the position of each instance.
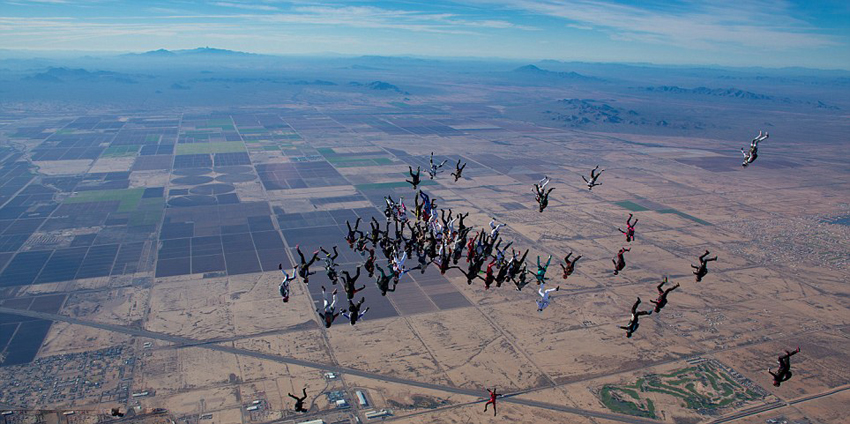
(775, 33)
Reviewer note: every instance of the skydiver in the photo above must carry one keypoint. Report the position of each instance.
(460, 226)
(570, 265)
(360, 245)
(432, 171)
(620, 261)
(304, 267)
(489, 276)
(424, 260)
(633, 324)
(414, 178)
(662, 295)
(458, 170)
(593, 177)
(398, 264)
(542, 183)
(542, 197)
(750, 157)
(701, 270)
(492, 401)
(328, 315)
(351, 237)
(299, 401)
(284, 285)
(389, 211)
(630, 229)
(383, 281)
(375, 234)
(784, 371)
(329, 259)
(541, 270)
(502, 275)
(429, 206)
(353, 314)
(521, 279)
(474, 269)
(457, 249)
(443, 260)
(494, 228)
(401, 211)
(516, 264)
(543, 292)
(370, 263)
(348, 283)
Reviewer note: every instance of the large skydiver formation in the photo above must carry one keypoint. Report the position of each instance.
(439, 237)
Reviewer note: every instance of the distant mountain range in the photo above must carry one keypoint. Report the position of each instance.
(732, 93)
(60, 75)
(378, 85)
(580, 113)
(534, 70)
(705, 91)
(200, 51)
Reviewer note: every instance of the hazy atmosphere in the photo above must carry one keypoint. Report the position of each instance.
(582, 212)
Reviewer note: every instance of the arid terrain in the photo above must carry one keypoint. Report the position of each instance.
(140, 252)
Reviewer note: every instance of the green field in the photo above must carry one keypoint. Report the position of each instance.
(216, 147)
(363, 162)
(632, 206)
(351, 161)
(153, 138)
(292, 136)
(252, 130)
(120, 151)
(377, 186)
(130, 198)
(223, 127)
(703, 387)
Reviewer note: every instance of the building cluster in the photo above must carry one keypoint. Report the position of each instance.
(66, 380)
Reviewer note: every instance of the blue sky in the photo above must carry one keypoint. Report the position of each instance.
(726, 32)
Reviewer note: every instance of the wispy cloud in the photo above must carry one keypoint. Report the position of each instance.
(24, 2)
(367, 17)
(693, 24)
(250, 6)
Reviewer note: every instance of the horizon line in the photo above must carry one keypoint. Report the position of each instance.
(330, 55)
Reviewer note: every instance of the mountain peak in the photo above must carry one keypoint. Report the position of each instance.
(528, 68)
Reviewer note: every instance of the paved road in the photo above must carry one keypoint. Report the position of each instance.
(316, 365)
(776, 405)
